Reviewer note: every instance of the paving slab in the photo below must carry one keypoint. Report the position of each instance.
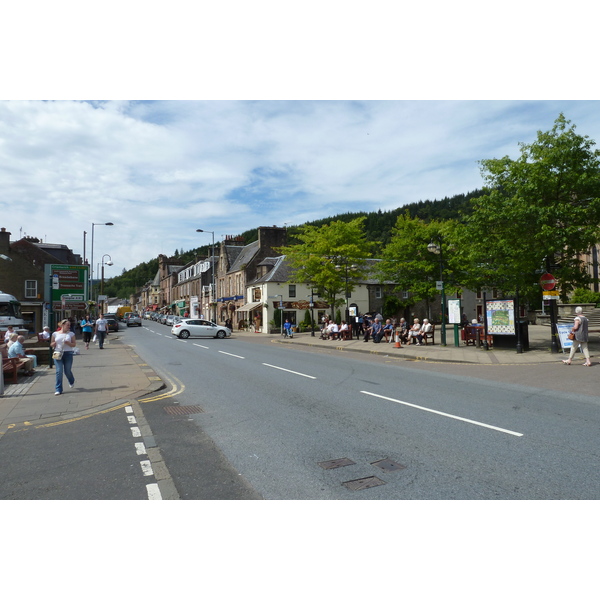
(103, 378)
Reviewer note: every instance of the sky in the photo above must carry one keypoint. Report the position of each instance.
(159, 170)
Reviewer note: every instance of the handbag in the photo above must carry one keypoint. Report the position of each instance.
(571, 336)
(57, 354)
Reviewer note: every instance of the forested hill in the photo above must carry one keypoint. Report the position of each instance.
(378, 228)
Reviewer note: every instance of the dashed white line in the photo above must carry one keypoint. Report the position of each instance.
(201, 346)
(153, 491)
(443, 414)
(135, 432)
(288, 371)
(140, 448)
(146, 468)
(131, 420)
(234, 355)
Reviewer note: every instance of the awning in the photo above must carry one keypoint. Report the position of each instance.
(248, 307)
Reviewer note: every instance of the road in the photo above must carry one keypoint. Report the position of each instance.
(276, 415)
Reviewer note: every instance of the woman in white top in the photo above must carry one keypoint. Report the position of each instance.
(63, 340)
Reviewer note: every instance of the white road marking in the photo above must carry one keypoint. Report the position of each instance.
(443, 414)
(140, 448)
(153, 491)
(146, 467)
(135, 432)
(129, 409)
(201, 346)
(131, 420)
(288, 371)
(234, 355)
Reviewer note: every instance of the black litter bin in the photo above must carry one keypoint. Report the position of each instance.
(510, 341)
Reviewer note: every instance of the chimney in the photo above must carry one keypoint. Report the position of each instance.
(4, 241)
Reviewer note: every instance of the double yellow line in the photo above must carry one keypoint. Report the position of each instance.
(176, 388)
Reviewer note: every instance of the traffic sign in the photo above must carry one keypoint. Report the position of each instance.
(547, 281)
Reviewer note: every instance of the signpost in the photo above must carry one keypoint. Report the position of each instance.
(548, 283)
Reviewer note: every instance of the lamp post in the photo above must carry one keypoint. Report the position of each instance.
(212, 299)
(346, 266)
(92, 258)
(437, 249)
(110, 264)
(281, 308)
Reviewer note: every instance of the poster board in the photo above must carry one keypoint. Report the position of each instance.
(563, 330)
(454, 314)
(500, 316)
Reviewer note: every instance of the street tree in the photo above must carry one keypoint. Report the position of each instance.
(325, 256)
(541, 212)
(408, 263)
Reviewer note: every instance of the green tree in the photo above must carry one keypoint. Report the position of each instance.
(410, 265)
(541, 212)
(325, 255)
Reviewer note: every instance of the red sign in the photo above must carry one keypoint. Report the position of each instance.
(547, 282)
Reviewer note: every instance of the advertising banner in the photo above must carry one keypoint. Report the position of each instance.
(454, 315)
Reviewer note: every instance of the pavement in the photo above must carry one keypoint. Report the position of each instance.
(108, 378)
(104, 379)
(539, 352)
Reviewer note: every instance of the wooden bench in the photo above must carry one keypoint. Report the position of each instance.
(11, 366)
(430, 335)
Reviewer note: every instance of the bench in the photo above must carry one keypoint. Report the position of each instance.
(11, 366)
(430, 335)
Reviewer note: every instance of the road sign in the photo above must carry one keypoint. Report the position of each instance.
(547, 281)
(550, 295)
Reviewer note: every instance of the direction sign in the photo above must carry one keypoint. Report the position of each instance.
(547, 281)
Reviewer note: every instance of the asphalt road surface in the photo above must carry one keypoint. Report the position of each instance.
(290, 423)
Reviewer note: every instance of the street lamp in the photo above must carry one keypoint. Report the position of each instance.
(353, 268)
(437, 249)
(92, 257)
(214, 289)
(281, 307)
(109, 263)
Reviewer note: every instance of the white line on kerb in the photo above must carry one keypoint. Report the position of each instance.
(234, 355)
(443, 414)
(288, 371)
(153, 491)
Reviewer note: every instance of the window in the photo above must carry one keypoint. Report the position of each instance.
(378, 291)
(405, 294)
(31, 288)
(291, 291)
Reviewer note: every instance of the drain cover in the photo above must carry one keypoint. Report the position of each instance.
(338, 462)
(362, 484)
(183, 410)
(388, 465)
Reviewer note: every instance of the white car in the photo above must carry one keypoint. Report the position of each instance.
(199, 328)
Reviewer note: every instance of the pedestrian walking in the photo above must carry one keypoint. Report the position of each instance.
(63, 342)
(101, 330)
(87, 327)
(580, 331)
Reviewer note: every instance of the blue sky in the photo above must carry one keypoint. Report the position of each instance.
(257, 119)
(160, 170)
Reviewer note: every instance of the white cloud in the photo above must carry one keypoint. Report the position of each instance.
(160, 170)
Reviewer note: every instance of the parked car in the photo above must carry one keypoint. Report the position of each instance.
(169, 319)
(113, 324)
(133, 319)
(199, 328)
(162, 319)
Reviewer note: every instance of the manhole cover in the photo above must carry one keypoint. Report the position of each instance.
(388, 465)
(362, 484)
(183, 410)
(338, 462)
